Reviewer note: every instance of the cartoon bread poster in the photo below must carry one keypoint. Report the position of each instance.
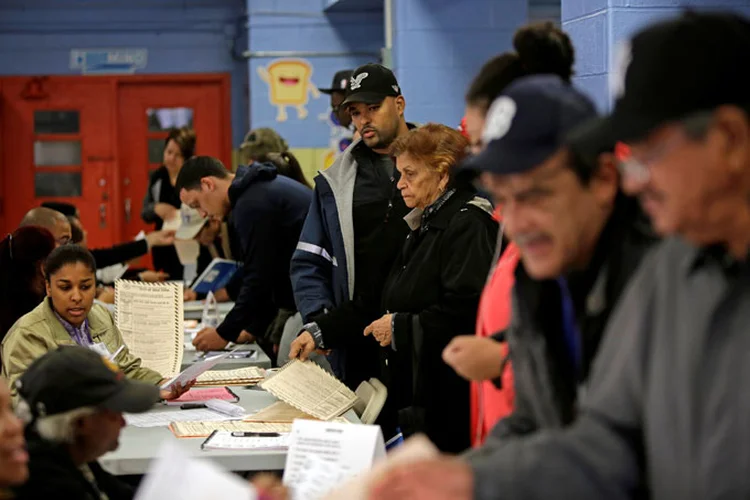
(289, 84)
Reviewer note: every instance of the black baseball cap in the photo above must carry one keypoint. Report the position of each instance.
(73, 377)
(529, 122)
(371, 84)
(340, 82)
(673, 69)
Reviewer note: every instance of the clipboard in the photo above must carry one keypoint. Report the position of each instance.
(216, 276)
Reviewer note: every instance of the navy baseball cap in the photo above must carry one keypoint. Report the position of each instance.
(529, 122)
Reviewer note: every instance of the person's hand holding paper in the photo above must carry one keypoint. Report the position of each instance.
(174, 390)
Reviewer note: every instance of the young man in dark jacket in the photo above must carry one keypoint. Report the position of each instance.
(267, 213)
(353, 232)
(73, 400)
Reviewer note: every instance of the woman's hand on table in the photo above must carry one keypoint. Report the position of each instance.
(382, 330)
(175, 391)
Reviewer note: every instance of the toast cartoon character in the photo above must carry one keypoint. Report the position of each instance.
(289, 84)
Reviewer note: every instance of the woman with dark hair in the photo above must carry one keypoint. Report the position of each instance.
(432, 292)
(68, 317)
(538, 49)
(162, 202)
(22, 255)
(288, 166)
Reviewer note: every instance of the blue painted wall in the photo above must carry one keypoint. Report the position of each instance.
(182, 36)
(350, 38)
(439, 45)
(597, 26)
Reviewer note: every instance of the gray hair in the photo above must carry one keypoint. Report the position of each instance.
(60, 428)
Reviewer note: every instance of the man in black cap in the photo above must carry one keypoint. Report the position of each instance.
(353, 232)
(669, 402)
(337, 91)
(73, 400)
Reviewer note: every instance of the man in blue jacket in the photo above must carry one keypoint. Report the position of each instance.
(267, 213)
(354, 230)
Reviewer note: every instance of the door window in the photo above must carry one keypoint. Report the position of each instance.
(57, 153)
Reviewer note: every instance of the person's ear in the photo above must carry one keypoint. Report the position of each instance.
(735, 146)
(400, 105)
(47, 286)
(208, 184)
(605, 180)
(443, 183)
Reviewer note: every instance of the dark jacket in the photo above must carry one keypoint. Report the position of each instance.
(356, 204)
(161, 190)
(433, 290)
(118, 254)
(268, 211)
(52, 474)
(546, 383)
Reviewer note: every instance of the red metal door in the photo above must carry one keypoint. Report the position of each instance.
(57, 145)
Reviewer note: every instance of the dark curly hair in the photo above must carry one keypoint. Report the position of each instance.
(539, 48)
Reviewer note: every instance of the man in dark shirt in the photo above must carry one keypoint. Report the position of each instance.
(267, 213)
(353, 232)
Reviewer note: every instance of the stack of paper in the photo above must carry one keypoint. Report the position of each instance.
(204, 429)
(149, 316)
(279, 412)
(202, 395)
(251, 375)
(309, 388)
(164, 418)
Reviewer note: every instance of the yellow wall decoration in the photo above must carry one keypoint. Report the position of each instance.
(289, 84)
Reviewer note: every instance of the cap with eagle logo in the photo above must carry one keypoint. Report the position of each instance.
(371, 84)
(73, 377)
(529, 123)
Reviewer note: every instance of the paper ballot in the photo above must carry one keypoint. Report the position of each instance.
(197, 369)
(309, 388)
(175, 475)
(149, 316)
(336, 451)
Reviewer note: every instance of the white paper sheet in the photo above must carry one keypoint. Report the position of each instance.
(163, 418)
(224, 440)
(175, 475)
(195, 370)
(350, 449)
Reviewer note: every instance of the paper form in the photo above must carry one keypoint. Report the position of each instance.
(349, 450)
(195, 370)
(224, 440)
(164, 418)
(310, 389)
(201, 395)
(250, 375)
(204, 429)
(149, 316)
(279, 412)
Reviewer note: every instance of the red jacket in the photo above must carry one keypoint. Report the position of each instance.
(488, 403)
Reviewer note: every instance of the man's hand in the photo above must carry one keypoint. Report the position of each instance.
(222, 295)
(175, 391)
(381, 330)
(209, 339)
(210, 230)
(474, 358)
(438, 479)
(153, 276)
(269, 487)
(245, 338)
(165, 211)
(161, 238)
(189, 294)
(302, 346)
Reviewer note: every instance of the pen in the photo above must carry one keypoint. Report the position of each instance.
(192, 406)
(255, 434)
(118, 351)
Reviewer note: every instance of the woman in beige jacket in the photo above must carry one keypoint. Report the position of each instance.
(68, 316)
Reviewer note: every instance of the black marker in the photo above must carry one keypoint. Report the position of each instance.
(255, 434)
(192, 406)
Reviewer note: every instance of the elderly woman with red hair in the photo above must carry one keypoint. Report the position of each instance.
(432, 292)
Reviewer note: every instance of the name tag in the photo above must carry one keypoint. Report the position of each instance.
(100, 349)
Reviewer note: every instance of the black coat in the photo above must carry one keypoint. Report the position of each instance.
(434, 290)
(52, 474)
(161, 190)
